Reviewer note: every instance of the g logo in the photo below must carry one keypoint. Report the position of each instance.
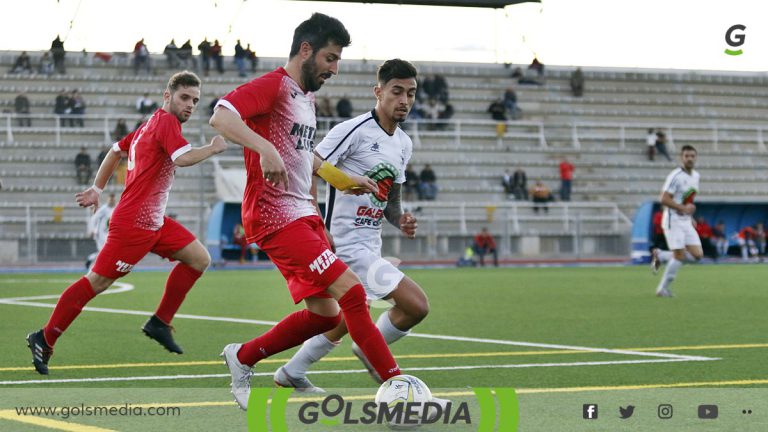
(735, 40)
(381, 275)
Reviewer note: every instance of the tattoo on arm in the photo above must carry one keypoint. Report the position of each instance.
(394, 208)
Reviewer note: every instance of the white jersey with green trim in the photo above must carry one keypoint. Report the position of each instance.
(359, 146)
(683, 187)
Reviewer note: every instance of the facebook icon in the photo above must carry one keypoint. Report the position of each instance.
(590, 411)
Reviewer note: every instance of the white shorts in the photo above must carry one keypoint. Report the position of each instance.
(680, 235)
(379, 276)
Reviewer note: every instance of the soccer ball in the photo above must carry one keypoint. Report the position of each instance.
(408, 391)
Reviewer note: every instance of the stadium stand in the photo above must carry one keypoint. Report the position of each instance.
(602, 133)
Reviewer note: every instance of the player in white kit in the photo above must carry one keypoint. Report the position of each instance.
(677, 197)
(98, 228)
(369, 145)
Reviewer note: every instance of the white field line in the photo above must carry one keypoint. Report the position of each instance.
(345, 371)
(124, 287)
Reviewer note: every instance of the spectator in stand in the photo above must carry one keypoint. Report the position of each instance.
(411, 184)
(212, 106)
(145, 105)
(238, 238)
(506, 182)
(252, 57)
(121, 130)
(520, 185)
(58, 52)
(83, 167)
(497, 110)
(760, 239)
(61, 106)
(21, 108)
(428, 87)
(217, 57)
(324, 108)
(577, 83)
(102, 155)
(441, 89)
(76, 108)
(484, 245)
(240, 57)
(205, 55)
(344, 108)
(46, 65)
(184, 54)
(661, 144)
(705, 235)
(427, 184)
(22, 64)
(566, 179)
(746, 241)
(141, 57)
(541, 195)
(658, 239)
(432, 113)
(510, 104)
(650, 143)
(444, 115)
(537, 66)
(171, 52)
(720, 239)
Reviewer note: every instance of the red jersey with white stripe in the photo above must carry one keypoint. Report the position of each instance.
(151, 148)
(276, 108)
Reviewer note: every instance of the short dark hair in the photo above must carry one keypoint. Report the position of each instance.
(395, 69)
(184, 79)
(688, 147)
(319, 30)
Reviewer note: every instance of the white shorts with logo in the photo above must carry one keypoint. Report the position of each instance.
(379, 276)
(681, 234)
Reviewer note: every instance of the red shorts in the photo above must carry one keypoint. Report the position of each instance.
(303, 255)
(127, 245)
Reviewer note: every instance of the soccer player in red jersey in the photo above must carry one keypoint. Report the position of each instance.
(139, 225)
(273, 118)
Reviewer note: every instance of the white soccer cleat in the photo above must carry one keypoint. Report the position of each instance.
(655, 261)
(241, 375)
(303, 385)
(664, 293)
(359, 353)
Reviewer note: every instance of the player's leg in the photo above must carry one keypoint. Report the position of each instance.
(177, 243)
(111, 264)
(294, 373)
(676, 241)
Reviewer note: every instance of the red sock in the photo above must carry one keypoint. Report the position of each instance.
(179, 283)
(288, 333)
(69, 306)
(365, 334)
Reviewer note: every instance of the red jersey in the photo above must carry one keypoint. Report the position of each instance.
(151, 148)
(485, 241)
(704, 230)
(656, 222)
(747, 233)
(566, 171)
(276, 108)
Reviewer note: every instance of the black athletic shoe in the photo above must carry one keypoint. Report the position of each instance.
(161, 332)
(41, 352)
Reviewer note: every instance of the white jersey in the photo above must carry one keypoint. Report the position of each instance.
(359, 146)
(683, 187)
(99, 225)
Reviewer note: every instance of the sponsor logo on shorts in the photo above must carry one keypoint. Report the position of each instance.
(123, 267)
(321, 263)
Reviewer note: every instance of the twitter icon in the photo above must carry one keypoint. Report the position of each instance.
(627, 412)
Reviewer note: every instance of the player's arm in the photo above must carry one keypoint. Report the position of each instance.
(199, 154)
(668, 200)
(90, 196)
(393, 212)
(342, 181)
(233, 128)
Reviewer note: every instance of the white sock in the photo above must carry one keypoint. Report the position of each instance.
(664, 255)
(669, 274)
(310, 352)
(391, 333)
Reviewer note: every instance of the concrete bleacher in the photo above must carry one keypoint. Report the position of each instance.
(602, 133)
